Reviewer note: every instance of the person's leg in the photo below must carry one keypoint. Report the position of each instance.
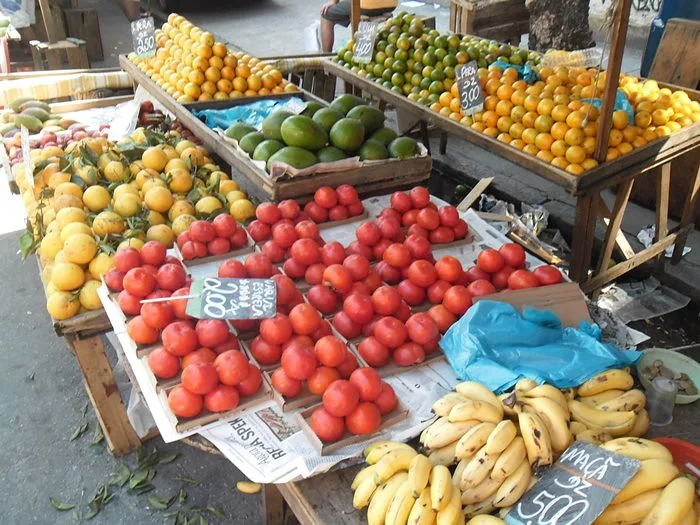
(327, 35)
(336, 14)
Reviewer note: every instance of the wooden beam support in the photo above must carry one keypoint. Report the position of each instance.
(48, 21)
(690, 209)
(273, 505)
(621, 240)
(584, 235)
(355, 13)
(663, 187)
(616, 215)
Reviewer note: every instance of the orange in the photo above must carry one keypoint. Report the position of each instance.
(240, 84)
(505, 92)
(544, 141)
(531, 102)
(574, 105)
(590, 129)
(490, 102)
(575, 119)
(490, 118)
(219, 50)
(616, 137)
(479, 126)
(558, 130)
(196, 77)
(180, 84)
(491, 132)
(529, 119)
(518, 97)
(516, 130)
(200, 63)
(558, 148)
(620, 119)
(560, 162)
(560, 112)
(504, 107)
(453, 115)
(517, 113)
(445, 98)
(649, 134)
(492, 86)
(224, 85)
(455, 104)
(589, 145)
(216, 62)
(612, 154)
(192, 90)
(663, 131)
(445, 111)
(624, 148)
(209, 87)
(504, 137)
(589, 164)
(207, 39)
(531, 149)
(529, 135)
(638, 142)
(230, 61)
(659, 117)
(575, 169)
(228, 73)
(629, 133)
(504, 124)
(250, 93)
(517, 143)
(254, 82)
(545, 155)
(212, 75)
(545, 106)
(242, 71)
(204, 52)
(543, 123)
(575, 154)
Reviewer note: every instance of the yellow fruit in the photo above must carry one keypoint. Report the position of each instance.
(57, 178)
(242, 210)
(46, 273)
(67, 276)
(235, 195)
(181, 207)
(134, 242)
(182, 223)
(68, 188)
(127, 205)
(108, 222)
(101, 264)
(155, 218)
(62, 305)
(154, 158)
(124, 189)
(96, 198)
(51, 244)
(70, 214)
(158, 199)
(144, 176)
(115, 171)
(60, 258)
(207, 205)
(179, 179)
(88, 295)
(80, 248)
(74, 228)
(183, 145)
(161, 233)
(194, 155)
(67, 201)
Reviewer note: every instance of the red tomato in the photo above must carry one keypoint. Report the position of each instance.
(139, 282)
(409, 354)
(338, 277)
(321, 378)
(232, 366)
(420, 197)
(327, 427)
(418, 231)
(346, 326)
(547, 275)
(258, 266)
(418, 245)
(513, 255)
(347, 194)
(397, 255)
(305, 251)
(461, 229)
(388, 273)
(442, 317)
(323, 330)
(448, 269)
(390, 332)
(332, 253)
(360, 249)
(184, 403)
(359, 308)
(221, 398)
(268, 213)
(358, 265)
(340, 398)
(306, 230)
(238, 239)
(347, 366)
(286, 289)
(199, 378)
(365, 419)
(322, 298)
(126, 258)
(114, 280)
(388, 227)
(476, 274)
(276, 330)
(299, 362)
(386, 300)
(293, 269)
(368, 233)
(157, 315)
(211, 332)
(153, 252)
(284, 384)
(437, 290)
(317, 213)
(182, 239)
(355, 209)
(386, 402)
(284, 234)
(252, 383)
(171, 276)
(314, 273)
(400, 202)
(231, 343)
(305, 319)
(411, 292)
(163, 364)
(244, 325)
(201, 355)
(373, 280)
(299, 340)
(140, 332)
(368, 382)
(449, 216)
(289, 209)
(338, 213)
(481, 287)
(500, 278)
(326, 196)
(521, 279)
(224, 225)
(442, 235)
(259, 231)
(179, 306)
(232, 268)
(201, 231)
(273, 251)
(379, 248)
(489, 260)
(373, 352)
(428, 218)
(330, 351)
(422, 273)
(421, 328)
(457, 299)
(129, 304)
(218, 246)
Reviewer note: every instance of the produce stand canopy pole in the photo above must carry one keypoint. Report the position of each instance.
(612, 79)
(355, 14)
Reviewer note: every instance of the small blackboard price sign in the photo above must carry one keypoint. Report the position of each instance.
(214, 298)
(469, 86)
(143, 34)
(364, 42)
(576, 489)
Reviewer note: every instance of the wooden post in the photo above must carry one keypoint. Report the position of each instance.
(611, 234)
(688, 217)
(612, 79)
(273, 505)
(584, 235)
(48, 21)
(663, 186)
(355, 13)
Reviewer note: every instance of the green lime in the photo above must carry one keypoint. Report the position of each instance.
(425, 83)
(387, 74)
(436, 87)
(453, 41)
(416, 79)
(401, 55)
(378, 69)
(397, 79)
(441, 42)
(437, 74)
(450, 60)
(429, 59)
(433, 98)
(440, 54)
(399, 67)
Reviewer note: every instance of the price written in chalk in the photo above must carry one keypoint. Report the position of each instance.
(470, 94)
(214, 298)
(143, 34)
(576, 489)
(364, 42)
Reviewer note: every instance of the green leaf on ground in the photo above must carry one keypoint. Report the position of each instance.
(58, 505)
(191, 481)
(157, 503)
(181, 496)
(138, 478)
(97, 435)
(121, 476)
(142, 489)
(216, 512)
(84, 409)
(79, 431)
(168, 459)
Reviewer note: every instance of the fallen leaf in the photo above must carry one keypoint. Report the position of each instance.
(61, 506)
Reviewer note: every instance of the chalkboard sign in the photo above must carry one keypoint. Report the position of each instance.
(143, 34)
(364, 42)
(576, 489)
(469, 85)
(214, 298)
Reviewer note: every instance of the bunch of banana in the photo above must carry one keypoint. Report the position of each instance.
(657, 494)
(608, 407)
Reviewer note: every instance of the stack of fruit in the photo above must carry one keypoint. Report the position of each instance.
(191, 66)
(34, 115)
(348, 127)
(220, 236)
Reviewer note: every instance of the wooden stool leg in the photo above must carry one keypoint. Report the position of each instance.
(425, 137)
(623, 194)
(584, 235)
(104, 395)
(688, 217)
(443, 143)
(663, 184)
(273, 505)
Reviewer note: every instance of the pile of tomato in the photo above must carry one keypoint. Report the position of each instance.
(203, 238)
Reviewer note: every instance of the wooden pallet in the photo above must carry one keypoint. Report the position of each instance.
(65, 54)
(503, 20)
(85, 25)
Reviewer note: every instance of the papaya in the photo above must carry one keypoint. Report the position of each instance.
(331, 154)
(347, 134)
(38, 113)
(238, 130)
(326, 117)
(266, 149)
(33, 124)
(273, 122)
(53, 122)
(373, 150)
(384, 135)
(303, 132)
(8, 129)
(311, 108)
(372, 118)
(17, 103)
(346, 102)
(403, 147)
(298, 158)
(35, 104)
(250, 141)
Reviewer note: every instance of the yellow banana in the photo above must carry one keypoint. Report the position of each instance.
(443, 456)
(363, 493)
(442, 406)
(633, 400)
(440, 487)
(638, 448)
(616, 423)
(419, 473)
(400, 506)
(457, 474)
(615, 379)
(597, 437)
(475, 409)
(509, 460)
(536, 438)
(597, 399)
(477, 391)
(483, 490)
(691, 518)
(629, 512)
(514, 486)
(448, 433)
(473, 440)
(376, 512)
(576, 427)
(432, 428)
(508, 404)
(486, 520)
(548, 391)
(450, 514)
(478, 509)
(569, 393)
(641, 424)
(478, 469)
(555, 419)
(422, 513)
(367, 472)
(525, 384)
(653, 474)
(375, 453)
(675, 502)
(391, 463)
(371, 447)
(502, 435)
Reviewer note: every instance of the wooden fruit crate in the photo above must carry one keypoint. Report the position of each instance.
(502, 20)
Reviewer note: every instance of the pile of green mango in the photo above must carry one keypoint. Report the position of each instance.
(31, 113)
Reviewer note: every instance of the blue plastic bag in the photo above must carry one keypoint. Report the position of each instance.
(252, 114)
(621, 102)
(526, 72)
(495, 344)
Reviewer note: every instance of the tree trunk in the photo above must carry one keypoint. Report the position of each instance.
(559, 24)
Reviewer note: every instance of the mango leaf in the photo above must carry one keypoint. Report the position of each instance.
(75, 179)
(157, 503)
(168, 458)
(63, 163)
(84, 410)
(215, 213)
(79, 431)
(139, 478)
(97, 435)
(60, 505)
(90, 156)
(41, 165)
(203, 521)
(143, 489)
(121, 476)
(27, 244)
(193, 196)
(216, 512)
(191, 481)
(181, 496)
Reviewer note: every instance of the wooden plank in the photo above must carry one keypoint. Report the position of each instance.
(621, 241)
(612, 77)
(104, 395)
(477, 190)
(77, 56)
(84, 24)
(680, 40)
(613, 231)
(355, 13)
(54, 58)
(663, 186)
(273, 505)
(51, 30)
(584, 235)
(690, 210)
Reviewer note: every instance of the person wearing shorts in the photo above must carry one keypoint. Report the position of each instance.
(338, 12)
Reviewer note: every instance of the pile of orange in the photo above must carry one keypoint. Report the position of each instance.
(191, 66)
(548, 120)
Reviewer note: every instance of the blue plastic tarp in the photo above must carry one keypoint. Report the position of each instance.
(495, 344)
(252, 114)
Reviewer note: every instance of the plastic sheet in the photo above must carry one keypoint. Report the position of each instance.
(495, 344)
(526, 72)
(253, 113)
(621, 102)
